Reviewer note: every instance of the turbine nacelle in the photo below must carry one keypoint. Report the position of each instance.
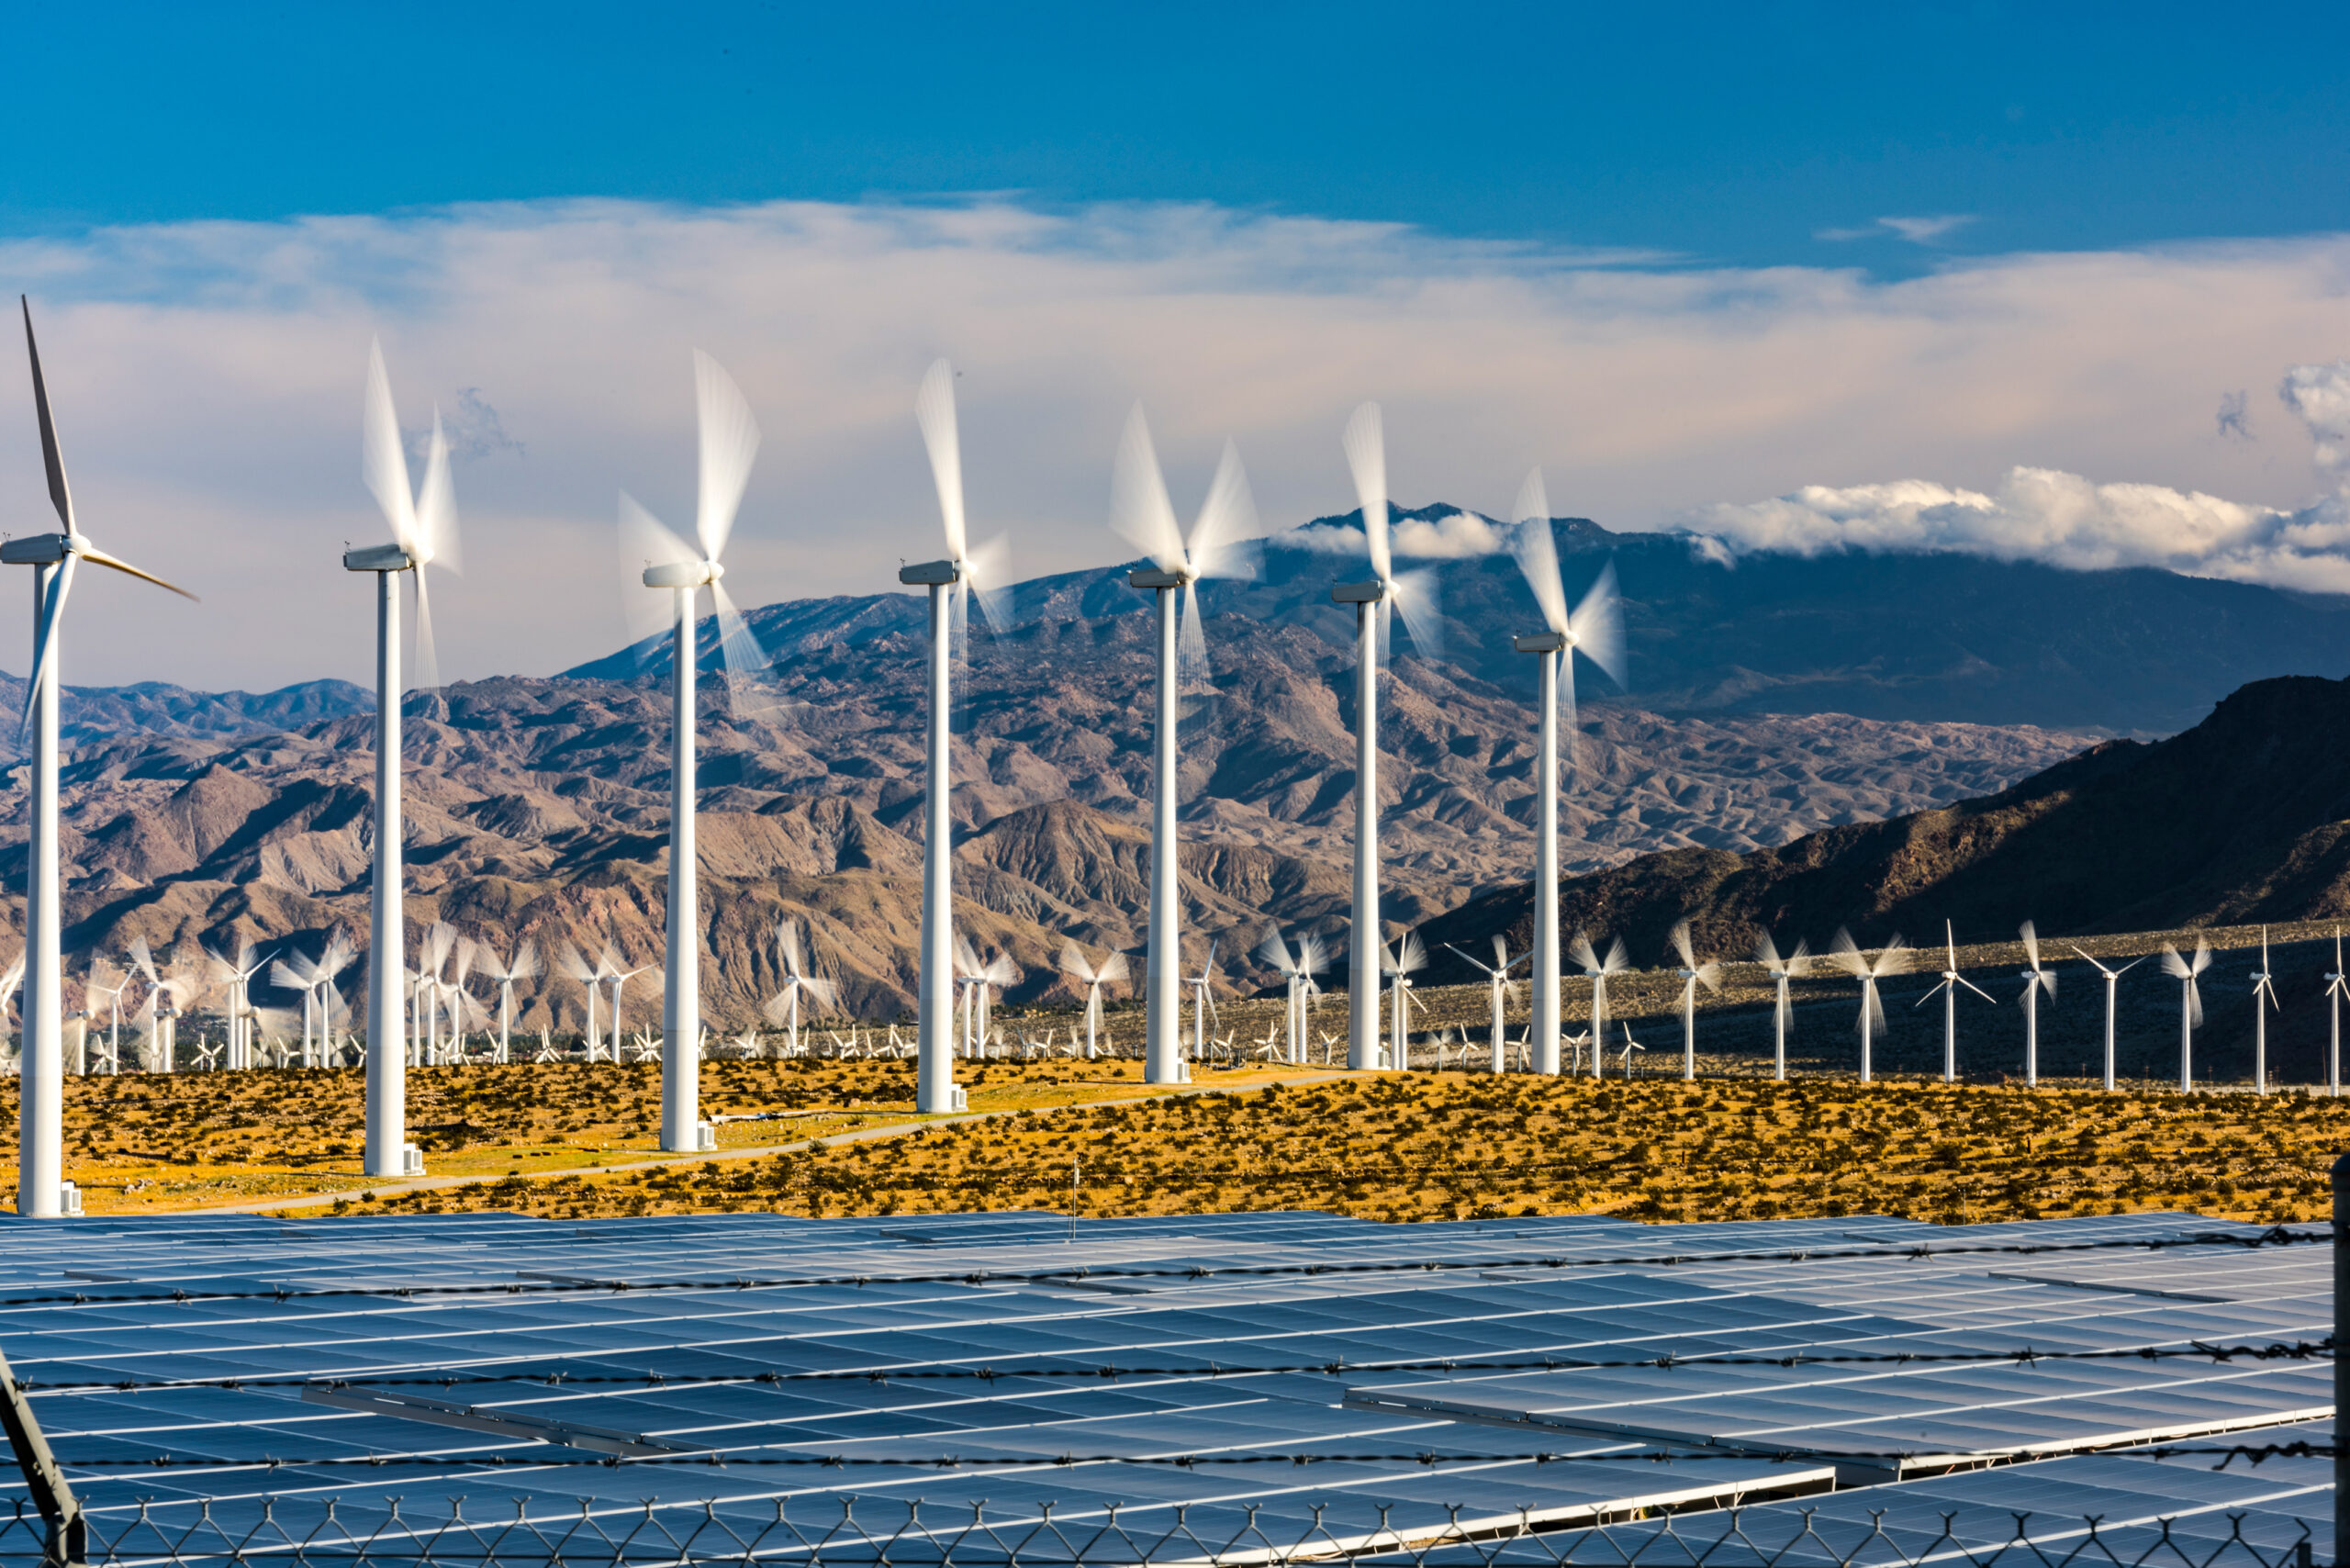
(683, 575)
(1542, 643)
(378, 558)
(1156, 577)
(1359, 593)
(930, 574)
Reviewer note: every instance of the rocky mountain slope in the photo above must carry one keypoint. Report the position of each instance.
(2245, 818)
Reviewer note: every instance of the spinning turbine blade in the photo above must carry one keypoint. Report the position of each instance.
(934, 410)
(2030, 935)
(427, 655)
(730, 441)
(983, 575)
(1224, 540)
(736, 643)
(436, 504)
(1412, 593)
(1536, 552)
(1597, 625)
(1139, 507)
(647, 541)
(1367, 460)
(384, 463)
(1681, 945)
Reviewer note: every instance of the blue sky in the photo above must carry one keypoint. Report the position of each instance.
(1737, 133)
(2061, 283)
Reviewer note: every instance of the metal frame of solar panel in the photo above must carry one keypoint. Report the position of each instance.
(1159, 1293)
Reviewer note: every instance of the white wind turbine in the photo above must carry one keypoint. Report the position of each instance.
(40, 1138)
(439, 942)
(1599, 970)
(1595, 630)
(2264, 996)
(1388, 591)
(590, 975)
(1141, 510)
(951, 582)
(1497, 978)
(1203, 1003)
(1948, 987)
(1112, 970)
(782, 1009)
(2035, 981)
(999, 973)
(152, 1022)
(424, 533)
(680, 571)
(2112, 979)
(2190, 1005)
(102, 970)
(1795, 965)
(1693, 974)
(236, 976)
(509, 973)
(2337, 982)
(1408, 958)
(1275, 951)
(1893, 958)
(620, 978)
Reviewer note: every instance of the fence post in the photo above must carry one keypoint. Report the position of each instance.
(68, 1543)
(2341, 1373)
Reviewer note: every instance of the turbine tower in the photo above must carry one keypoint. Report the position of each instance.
(1692, 973)
(951, 582)
(424, 533)
(1793, 966)
(2190, 1005)
(2264, 996)
(730, 443)
(1141, 511)
(1595, 630)
(41, 1122)
(2035, 980)
(1375, 602)
(2112, 979)
(1893, 960)
(1950, 980)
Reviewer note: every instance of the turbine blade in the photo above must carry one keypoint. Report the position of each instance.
(1275, 951)
(61, 494)
(1766, 953)
(1414, 596)
(1537, 552)
(1367, 460)
(1072, 963)
(730, 444)
(984, 572)
(1191, 668)
(1139, 509)
(1977, 990)
(1597, 625)
(746, 660)
(645, 541)
(1224, 536)
(1681, 945)
(428, 657)
(2030, 943)
(1112, 970)
(100, 558)
(436, 504)
(382, 461)
(934, 410)
(52, 616)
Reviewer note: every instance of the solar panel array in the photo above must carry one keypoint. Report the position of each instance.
(805, 1354)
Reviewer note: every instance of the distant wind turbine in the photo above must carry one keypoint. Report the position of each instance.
(782, 1009)
(2337, 980)
(1203, 1003)
(1599, 969)
(1375, 603)
(1111, 971)
(952, 583)
(2112, 979)
(1795, 965)
(2035, 980)
(509, 973)
(40, 1140)
(1948, 989)
(1693, 974)
(2190, 1005)
(1595, 630)
(2264, 996)
(1497, 976)
(1408, 958)
(424, 533)
(1892, 960)
(1218, 547)
(680, 571)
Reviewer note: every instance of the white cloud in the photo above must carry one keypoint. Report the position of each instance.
(1458, 536)
(1922, 230)
(2041, 514)
(206, 378)
(2318, 395)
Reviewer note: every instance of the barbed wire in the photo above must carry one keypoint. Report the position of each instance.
(2297, 1349)
(2275, 1236)
(2257, 1453)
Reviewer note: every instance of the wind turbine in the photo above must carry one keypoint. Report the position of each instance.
(1793, 966)
(1497, 976)
(424, 533)
(142, 959)
(1599, 969)
(2264, 996)
(730, 441)
(951, 582)
(101, 970)
(1892, 960)
(2190, 1005)
(1141, 510)
(2112, 979)
(507, 973)
(1408, 958)
(1692, 974)
(1414, 594)
(41, 1137)
(2035, 981)
(782, 1009)
(1092, 976)
(236, 975)
(1950, 980)
(619, 977)
(1630, 1044)
(2337, 980)
(1595, 630)
(589, 976)
(1203, 1003)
